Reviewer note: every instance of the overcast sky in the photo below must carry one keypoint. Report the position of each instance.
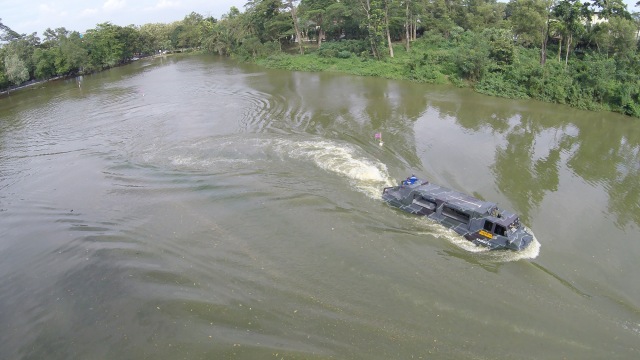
(28, 16)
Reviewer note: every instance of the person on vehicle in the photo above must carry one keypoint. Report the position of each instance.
(411, 180)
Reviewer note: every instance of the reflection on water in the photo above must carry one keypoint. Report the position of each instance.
(190, 207)
(601, 149)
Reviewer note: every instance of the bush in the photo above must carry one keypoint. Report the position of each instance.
(427, 74)
(501, 48)
(341, 48)
(550, 83)
(327, 52)
(472, 56)
(625, 99)
(430, 40)
(495, 83)
(487, 61)
(294, 62)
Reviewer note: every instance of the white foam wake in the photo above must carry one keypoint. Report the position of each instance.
(366, 175)
(436, 230)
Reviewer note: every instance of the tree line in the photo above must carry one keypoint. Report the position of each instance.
(584, 54)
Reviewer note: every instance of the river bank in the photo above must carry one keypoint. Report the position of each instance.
(443, 62)
(32, 83)
(29, 84)
(439, 62)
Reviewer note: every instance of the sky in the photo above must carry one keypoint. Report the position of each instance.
(28, 16)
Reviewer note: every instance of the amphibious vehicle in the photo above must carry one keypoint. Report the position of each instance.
(478, 221)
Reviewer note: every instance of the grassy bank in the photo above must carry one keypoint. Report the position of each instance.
(340, 57)
(593, 82)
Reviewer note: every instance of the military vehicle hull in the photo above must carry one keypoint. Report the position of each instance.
(478, 221)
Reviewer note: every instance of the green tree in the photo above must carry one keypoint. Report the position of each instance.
(4, 82)
(8, 34)
(315, 11)
(439, 18)
(71, 56)
(409, 11)
(16, 70)
(44, 60)
(129, 37)
(189, 32)
(339, 21)
(386, 4)
(153, 37)
(472, 56)
(373, 23)
(267, 21)
(54, 37)
(617, 36)
(228, 33)
(24, 48)
(530, 23)
(479, 14)
(104, 46)
(597, 77)
(61, 53)
(293, 9)
(394, 21)
(611, 8)
(501, 48)
(571, 14)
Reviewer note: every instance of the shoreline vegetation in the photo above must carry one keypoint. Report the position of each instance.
(36, 82)
(581, 54)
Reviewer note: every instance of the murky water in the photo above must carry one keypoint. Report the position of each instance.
(191, 207)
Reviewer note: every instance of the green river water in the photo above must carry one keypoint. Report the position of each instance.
(195, 208)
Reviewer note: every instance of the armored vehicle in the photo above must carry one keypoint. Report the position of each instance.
(478, 221)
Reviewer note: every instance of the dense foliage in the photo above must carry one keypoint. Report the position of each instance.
(584, 54)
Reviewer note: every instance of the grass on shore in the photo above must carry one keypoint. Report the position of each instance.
(469, 63)
(331, 60)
